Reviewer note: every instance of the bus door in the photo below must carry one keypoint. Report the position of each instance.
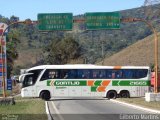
(46, 81)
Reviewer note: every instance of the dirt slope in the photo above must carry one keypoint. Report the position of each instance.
(141, 53)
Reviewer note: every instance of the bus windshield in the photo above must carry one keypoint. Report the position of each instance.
(31, 79)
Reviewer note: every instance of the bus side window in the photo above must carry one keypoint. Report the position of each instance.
(64, 74)
(83, 73)
(113, 75)
(128, 74)
(118, 74)
(141, 73)
(108, 73)
(86, 73)
(50, 74)
(45, 75)
(95, 74)
(79, 74)
(72, 74)
(102, 74)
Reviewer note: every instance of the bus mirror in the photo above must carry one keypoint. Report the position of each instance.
(21, 77)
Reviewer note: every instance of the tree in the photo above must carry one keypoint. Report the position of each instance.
(14, 19)
(62, 51)
(12, 54)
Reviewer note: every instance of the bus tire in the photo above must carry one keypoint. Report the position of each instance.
(112, 94)
(124, 94)
(45, 95)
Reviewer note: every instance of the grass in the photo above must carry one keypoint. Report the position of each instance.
(25, 109)
(141, 102)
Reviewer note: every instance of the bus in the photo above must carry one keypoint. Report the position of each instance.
(82, 80)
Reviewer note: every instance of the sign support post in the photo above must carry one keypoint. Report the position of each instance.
(3, 62)
(155, 47)
(2, 52)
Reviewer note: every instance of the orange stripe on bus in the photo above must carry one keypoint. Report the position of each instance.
(101, 89)
(105, 82)
(117, 67)
(90, 83)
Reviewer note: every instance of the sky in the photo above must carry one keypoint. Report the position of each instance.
(25, 9)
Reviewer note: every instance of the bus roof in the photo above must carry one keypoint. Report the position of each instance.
(85, 66)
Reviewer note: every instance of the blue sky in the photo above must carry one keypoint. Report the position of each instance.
(25, 9)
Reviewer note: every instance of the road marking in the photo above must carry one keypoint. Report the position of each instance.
(47, 111)
(136, 107)
(57, 112)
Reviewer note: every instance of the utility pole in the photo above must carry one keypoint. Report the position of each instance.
(155, 46)
(102, 41)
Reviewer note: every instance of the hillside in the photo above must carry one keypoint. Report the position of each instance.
(141, 53)
(94, 44)
(91, 41)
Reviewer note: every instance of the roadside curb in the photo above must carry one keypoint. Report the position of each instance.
(136, 106)
(47, 111)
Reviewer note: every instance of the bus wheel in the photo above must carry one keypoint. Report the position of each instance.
(45, 95)
(112, 94)
(124, 94)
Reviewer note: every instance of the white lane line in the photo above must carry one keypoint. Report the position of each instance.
(56, 111)
(136, 107)
(47, 111)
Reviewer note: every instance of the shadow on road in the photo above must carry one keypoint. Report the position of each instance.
(67, 99)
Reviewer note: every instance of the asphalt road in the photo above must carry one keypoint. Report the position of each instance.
(92, 109)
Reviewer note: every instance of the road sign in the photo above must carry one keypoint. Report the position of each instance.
(102, 20)
(9, 84)
(2, 74)
(55, 21)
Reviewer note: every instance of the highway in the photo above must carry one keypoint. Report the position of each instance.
(91, 109)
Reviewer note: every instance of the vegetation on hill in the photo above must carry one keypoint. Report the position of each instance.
(140, 54)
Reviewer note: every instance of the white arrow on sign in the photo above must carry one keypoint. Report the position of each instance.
(118, 83)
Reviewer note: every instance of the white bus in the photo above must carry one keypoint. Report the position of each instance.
(48, 81)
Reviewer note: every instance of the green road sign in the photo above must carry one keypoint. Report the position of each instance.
(55, 21)
(131, 83)
(102, 20)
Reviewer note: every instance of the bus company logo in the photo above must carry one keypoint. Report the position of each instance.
(138, 83)
(50, 83)
(63, 83)
(67, 83)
